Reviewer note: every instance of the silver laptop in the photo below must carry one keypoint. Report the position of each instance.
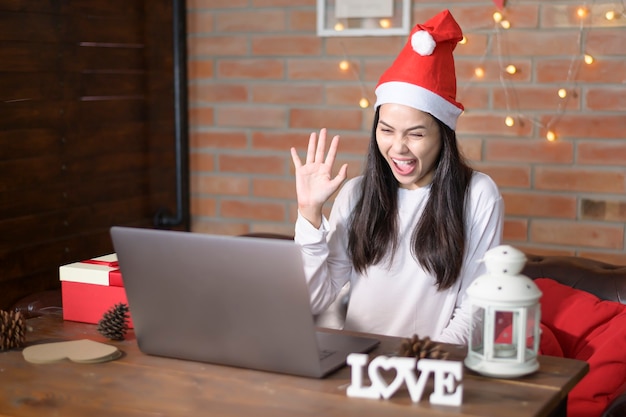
(237, 301)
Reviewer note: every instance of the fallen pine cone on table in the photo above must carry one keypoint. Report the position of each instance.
(12, 330)
(414, 347)
(114, 323)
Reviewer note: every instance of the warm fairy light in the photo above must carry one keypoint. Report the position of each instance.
(344, 65)
(384, 23)
(582, 12)
(339, 26)
(463, 41)
(610, 15)
(364, 103)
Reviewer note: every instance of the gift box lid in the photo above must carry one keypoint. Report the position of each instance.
(103, 270)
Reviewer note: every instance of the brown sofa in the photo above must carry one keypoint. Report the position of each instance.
(605, 281)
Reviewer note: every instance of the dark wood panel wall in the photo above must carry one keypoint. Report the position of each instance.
(86, 131)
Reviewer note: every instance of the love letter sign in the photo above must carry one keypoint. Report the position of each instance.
(448, 378)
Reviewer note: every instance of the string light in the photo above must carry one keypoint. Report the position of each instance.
(510, 69)
(463, 41)
(583, 13)
(384, 23)
(499, 18)
(613, 14)
(339, 26)
(345, 65)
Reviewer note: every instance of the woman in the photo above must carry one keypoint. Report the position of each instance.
(410, 232)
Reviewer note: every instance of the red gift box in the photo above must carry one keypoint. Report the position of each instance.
(90, 288)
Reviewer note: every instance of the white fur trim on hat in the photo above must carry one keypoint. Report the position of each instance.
(419, 98)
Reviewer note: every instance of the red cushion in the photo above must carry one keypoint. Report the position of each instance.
(592, 330)
(549, 344)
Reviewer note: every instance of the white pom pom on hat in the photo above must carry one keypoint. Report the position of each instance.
(423, 74)
(423, 43)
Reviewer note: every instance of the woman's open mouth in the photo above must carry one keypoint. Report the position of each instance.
(404, 166)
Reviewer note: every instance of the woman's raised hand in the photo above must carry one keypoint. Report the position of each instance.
(314, 181)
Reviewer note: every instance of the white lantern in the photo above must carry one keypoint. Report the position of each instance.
(504, 333)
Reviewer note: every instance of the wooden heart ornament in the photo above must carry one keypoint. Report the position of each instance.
(81, 351)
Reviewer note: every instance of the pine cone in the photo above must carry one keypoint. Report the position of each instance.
(12, 330)
(114, 323)
(421, 348)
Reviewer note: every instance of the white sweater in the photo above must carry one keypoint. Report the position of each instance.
(399, 299)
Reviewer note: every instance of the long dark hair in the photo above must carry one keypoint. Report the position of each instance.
(438, 239)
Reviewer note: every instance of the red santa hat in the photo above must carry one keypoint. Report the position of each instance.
(423, 75)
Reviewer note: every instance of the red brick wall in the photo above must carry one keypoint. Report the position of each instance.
(260, 81)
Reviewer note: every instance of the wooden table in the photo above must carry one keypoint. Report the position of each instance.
(142, 385)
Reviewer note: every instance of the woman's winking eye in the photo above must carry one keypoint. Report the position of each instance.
(417, 134)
